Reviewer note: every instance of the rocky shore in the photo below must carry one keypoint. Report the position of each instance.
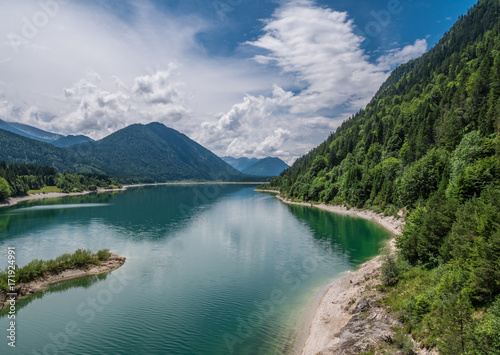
(26, 289)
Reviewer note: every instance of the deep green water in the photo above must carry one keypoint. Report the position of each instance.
(211, 269)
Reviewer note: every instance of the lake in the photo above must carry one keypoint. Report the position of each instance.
(211, 269)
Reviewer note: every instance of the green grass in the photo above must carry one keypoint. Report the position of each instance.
(37, 268)
(44, 190)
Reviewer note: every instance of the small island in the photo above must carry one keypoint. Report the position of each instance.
(37, 274)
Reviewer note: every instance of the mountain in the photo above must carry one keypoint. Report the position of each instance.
(42, 136)
(240, 163)
(29, 131)
(68, 141)
(266, 167)
(146, 153)
(428, 146)
(417, 120)
(18, 149)
(156, 152)
(257, 167)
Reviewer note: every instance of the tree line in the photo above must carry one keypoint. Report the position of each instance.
(19, 179)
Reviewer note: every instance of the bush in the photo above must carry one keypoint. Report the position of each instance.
(37, 268)
(103, 254)
(390, 271)
(30, 271)
(403, 342)
(5, 190)
(3, 281)
(486, 337)
(80, 258)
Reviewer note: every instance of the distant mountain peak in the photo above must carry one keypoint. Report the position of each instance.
(269, 166)
(40, 135)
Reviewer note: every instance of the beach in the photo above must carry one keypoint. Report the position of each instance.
(348, 319)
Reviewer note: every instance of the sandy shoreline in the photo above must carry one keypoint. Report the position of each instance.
(335, 322)
(12, 201)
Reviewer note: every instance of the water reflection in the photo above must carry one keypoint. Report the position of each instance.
(202, 259)
(168, 208)
(81, 282)
(353, 235)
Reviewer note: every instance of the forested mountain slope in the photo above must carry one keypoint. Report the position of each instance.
(429, 142)
(155, 152)
(137, 153)
(403, 144)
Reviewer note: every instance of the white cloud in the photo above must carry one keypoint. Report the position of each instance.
(98, 73)
(319, 48)
(157, 88)
(88, 72)
(398, 56)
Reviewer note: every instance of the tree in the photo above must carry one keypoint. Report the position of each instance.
(5, 190)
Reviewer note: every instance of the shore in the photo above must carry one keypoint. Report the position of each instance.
(26, 289)
(348, 318)
(11, 201)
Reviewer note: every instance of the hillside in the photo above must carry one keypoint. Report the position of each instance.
(156, 153)
(428, 144)
(240, 164)
(16, 149)
(29, 131)
(141, 153)
(70, 140)
(40, 135)
(265, 167)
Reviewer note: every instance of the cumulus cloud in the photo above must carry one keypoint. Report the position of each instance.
(157, 88)
(249, 127)
(407, 53)
(98, 72)
(318, 47)
(153, 97)
(87, 72)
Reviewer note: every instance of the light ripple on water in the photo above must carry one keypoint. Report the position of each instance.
(59, 207)
(193, 281)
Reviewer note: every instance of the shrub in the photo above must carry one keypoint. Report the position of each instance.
(37, 268)
(5, 190)
(103, 254)
(390, 271)
(403, 342)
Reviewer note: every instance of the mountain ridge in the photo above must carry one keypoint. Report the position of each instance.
(41, 135)
(143, 153)
(265, 167)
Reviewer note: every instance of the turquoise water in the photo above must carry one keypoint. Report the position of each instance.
(211, 269)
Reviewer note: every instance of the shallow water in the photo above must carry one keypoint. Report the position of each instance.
(211, 269)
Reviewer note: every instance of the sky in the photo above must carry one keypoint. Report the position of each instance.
(244, 78)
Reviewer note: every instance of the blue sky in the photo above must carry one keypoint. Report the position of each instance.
(242, 77)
